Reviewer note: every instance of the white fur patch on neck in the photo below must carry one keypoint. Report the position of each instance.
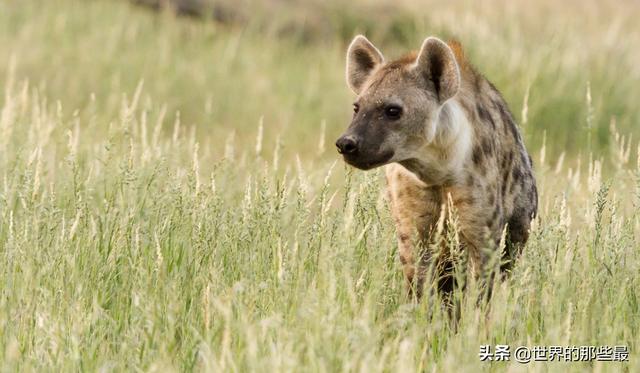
(455, 133)
(443, 158)
(445, 155)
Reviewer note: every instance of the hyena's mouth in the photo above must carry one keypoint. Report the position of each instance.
(364, 162)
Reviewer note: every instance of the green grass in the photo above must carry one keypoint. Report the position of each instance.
(136, 238)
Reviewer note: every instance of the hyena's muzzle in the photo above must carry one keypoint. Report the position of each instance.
(363, 146)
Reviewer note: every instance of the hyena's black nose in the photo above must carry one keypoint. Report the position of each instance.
(347, 145)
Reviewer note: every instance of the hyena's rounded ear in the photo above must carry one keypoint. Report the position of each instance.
(437, 64)
(362, 59)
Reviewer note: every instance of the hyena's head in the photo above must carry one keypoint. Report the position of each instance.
(396, 112)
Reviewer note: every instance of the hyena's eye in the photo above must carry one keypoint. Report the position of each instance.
(393, 112)
(356, 108)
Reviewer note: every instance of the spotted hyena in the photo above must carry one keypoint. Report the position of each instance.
(447, 140)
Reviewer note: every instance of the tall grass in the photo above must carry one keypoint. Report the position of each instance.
(228, 237)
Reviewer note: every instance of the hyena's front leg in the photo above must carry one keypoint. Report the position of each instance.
(480, 242)
(415, 209)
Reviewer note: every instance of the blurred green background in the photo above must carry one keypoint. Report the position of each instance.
(224, 65)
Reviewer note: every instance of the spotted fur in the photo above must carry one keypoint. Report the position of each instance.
(456, 141)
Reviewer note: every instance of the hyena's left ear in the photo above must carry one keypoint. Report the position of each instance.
(362, 59)
(437, 64)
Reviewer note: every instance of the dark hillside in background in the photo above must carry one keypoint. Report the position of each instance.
(309, 21)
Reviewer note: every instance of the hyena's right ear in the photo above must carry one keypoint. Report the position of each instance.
(362, 59)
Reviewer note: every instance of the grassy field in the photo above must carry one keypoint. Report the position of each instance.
(171, 200)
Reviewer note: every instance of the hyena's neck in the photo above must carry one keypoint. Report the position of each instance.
(443, 161)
